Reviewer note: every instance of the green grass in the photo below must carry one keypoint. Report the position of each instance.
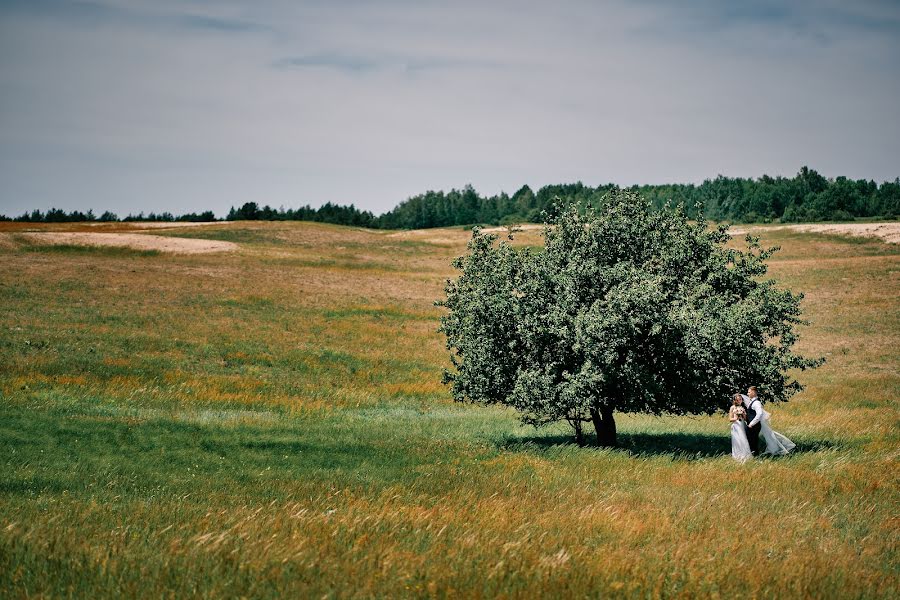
(227, 234)
(110, 251)
(270, 423)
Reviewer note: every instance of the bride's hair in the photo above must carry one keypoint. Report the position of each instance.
(736, 398)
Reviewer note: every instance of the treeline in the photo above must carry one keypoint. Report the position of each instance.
(327, 213)
(808, 196)
(55, 215)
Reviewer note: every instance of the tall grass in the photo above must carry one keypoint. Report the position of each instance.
(270, 423)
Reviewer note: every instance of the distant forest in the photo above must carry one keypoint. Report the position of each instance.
(806, 197)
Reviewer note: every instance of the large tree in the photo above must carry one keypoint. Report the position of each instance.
(625, 309)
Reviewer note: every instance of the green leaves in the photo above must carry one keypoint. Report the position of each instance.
(627, 309)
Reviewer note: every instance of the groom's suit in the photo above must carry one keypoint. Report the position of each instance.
(754, 424)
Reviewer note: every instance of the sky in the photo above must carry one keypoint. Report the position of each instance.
(193, 105)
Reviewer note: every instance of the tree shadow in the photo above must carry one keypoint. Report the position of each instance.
(677, 445)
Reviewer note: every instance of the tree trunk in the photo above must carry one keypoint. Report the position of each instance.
(579, 434)
(605, 426)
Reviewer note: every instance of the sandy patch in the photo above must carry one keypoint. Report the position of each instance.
(443, 236)
(162, 224)
(888, 232)
(432, 236)
(136, 241)
(522, 227)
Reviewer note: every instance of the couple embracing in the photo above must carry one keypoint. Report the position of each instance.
(749, 420)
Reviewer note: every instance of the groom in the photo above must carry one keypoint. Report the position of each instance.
(754, 418)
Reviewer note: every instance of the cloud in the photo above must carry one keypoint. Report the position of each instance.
(199, 105)
(363, 64)
(126, 14)
(329, 60)
(202, 22)
(803, 21)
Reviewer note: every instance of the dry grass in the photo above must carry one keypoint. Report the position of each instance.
(269, 422)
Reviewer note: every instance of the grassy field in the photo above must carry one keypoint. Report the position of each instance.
(270, 423)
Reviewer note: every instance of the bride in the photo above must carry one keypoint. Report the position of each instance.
(740, 446)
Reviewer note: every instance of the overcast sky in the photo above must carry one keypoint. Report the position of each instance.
(193, 105)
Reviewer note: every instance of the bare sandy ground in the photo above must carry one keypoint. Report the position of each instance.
(522, 227)
(889, 232)
(136, 241)
(431, 236)
(454, 236)
(162, 224)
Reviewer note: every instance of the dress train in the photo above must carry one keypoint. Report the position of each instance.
(776, 444)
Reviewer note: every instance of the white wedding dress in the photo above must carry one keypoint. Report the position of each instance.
(740, 447)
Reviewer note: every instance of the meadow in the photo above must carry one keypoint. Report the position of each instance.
(270, 422)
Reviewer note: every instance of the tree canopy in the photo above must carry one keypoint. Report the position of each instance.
(808, 196)
(625, 309)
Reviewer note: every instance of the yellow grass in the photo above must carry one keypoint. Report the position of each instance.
(270, 423)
